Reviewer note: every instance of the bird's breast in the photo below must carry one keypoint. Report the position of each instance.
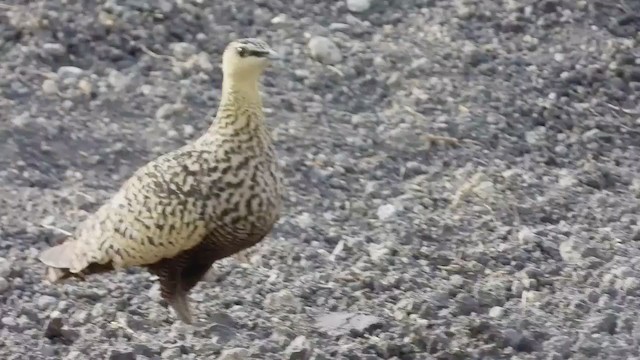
(246, 194)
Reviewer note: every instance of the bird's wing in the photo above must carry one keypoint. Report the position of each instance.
(156, 214)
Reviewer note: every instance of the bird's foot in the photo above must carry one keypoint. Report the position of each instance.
(180, 305)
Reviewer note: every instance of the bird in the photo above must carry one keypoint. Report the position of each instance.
(220, 194)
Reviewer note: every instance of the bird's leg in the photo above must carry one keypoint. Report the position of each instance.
(171, 287)
(193, 273)
(201, 257)
(180, 304)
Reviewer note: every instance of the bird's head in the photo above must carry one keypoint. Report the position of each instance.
(246, 59)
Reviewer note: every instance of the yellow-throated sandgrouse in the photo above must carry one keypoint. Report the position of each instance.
(186, 209)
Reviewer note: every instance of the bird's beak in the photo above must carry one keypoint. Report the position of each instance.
(273, 55)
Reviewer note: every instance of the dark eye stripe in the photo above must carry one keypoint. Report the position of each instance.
(257, 53)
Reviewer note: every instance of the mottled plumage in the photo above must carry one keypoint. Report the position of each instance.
(186, 209)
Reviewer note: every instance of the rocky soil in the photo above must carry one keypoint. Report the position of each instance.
(521, 242)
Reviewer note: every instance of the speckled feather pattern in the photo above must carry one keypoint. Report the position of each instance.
(224, 188)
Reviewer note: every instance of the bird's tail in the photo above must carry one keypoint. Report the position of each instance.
(62, 263)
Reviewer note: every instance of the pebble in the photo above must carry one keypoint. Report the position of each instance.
(591, 135)
(526, 236)
(530, 297)
(203, 61)
(220, 334)
(324, 50)
(74, 355)
(567, 181)
(49, 352)
(188, 130)
(122, 355)
(97, 311)
(466, 304)
(604, 323)
(282, 299)
(53, 328)
(358, 5)
(570, 251)
(631, 285)
(165, 5)
(50, 87)
(54, 49)
(299, 349)
(168, 110)
(18, 121)
(587, 345)
(5, 267)
(519, 341)
(496, 312)
(559, 343)
(339, 26)
(304, 220)
(535, 136)
(80, 317)
(377, 251)
(69, 71)
(386, 211)
(8, 321)
(517, 287)
(117, 80)
(342, 323)
(45, 301)
(234, 354)
(172, 353)
(182, 50)
(4, 285)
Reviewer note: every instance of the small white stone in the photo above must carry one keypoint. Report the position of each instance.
(496, 312)
(4, 285)
(54, 49)
(567, 181)
(188, 130)
(234, 354)
(182, 50)
(69, 71)
(526, 236)
(8, 321)
(299, 349)
(591, 135)
(324, 50)
(45, 301)
(48, 220)
(530, 297)
(570, 251)
(168, 110)
(282, 18)
(377, 251)
(386, 211)
(5, 267)
(358, 5)
(282, 299)
(204, 62)
(21, 120)
(304, 220)
(117, 80)
(49, 87)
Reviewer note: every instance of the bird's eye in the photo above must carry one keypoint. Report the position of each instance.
(243, 52)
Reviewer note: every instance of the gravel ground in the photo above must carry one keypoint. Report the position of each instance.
(522, 242)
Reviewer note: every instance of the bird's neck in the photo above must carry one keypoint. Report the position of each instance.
(240, 108)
